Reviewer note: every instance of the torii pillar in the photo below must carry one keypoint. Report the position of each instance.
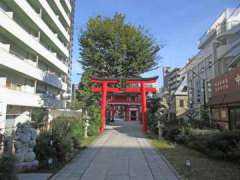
(103, 105)
(144, 108)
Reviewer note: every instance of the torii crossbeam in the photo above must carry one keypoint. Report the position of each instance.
(142, 89)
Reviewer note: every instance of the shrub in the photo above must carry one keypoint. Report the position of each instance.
(43, 149)
(171, 133)
(62, 137)
(222, 145)
(59, 142)
(77, 132)
(95, 120)
(212, 142)
(7, 167)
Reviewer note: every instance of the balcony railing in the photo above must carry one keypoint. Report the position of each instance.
(6, 83)
(50, 100)
(225, 27)
(33, 37)
(52, 79)
(206, 36)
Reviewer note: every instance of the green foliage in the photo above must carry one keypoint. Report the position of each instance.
(7, 167)
(60, 141)
(212, 142)
(95, 120)
(224, 145)
(43, 149)
(155, 114)
(89, 102)
(84, 95)
(112, 47)
(38, 115)
(204, 113)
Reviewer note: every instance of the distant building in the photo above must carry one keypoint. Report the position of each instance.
(35, 57)
(75, 87)
(174, 92)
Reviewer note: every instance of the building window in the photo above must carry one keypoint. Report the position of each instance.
(181, 103)
(234, 117)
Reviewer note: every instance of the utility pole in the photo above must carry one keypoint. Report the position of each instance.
(204, 92)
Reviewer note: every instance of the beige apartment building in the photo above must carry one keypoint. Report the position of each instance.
(35, 57)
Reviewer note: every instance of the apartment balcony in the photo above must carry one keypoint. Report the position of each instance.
(206, 37)
(36, 18)
(203, 53)
(5, 46)
(54, 18)
(67, 2)
(13, 60)
(13, 94)
(228, 50)
(29, 40)
(53, 79)
(227, 28)
(50, 101)
(62, 12)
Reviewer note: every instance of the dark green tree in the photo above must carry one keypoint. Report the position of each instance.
(110, 47)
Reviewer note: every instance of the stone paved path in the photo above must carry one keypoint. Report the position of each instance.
(121, 153)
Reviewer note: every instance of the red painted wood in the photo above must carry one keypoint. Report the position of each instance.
(103, 106)
(104, 81)
(141, 81)
(127, 90)
(144, 108)
(109, 89)
(142, 90)
(138, 90)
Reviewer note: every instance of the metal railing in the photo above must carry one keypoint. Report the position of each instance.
(227, 26)
(206, 35)
(33, 37)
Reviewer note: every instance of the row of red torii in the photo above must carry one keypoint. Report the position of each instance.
(130, 96)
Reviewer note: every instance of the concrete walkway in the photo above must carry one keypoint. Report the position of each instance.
(121, 153)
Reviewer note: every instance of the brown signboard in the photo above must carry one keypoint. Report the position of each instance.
(226, 88)
(227, 83)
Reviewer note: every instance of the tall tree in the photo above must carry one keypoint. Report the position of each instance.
(110, 47)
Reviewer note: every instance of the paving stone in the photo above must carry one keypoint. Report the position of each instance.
(121, 153)
(33, 176)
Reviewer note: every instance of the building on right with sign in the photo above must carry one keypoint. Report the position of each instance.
(225, 100)
(219, 50)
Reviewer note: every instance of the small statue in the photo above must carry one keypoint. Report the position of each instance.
(25, 141)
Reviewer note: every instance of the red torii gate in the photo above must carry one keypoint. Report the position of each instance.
(104, 89)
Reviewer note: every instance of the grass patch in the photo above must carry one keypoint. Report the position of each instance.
(201, 166)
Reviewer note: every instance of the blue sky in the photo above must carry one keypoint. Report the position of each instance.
(176, 24)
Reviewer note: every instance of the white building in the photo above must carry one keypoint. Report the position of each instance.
(219, 47)
(35, 56)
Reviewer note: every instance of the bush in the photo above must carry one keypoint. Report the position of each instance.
(64, 137)
(171, 133)
(60, 141)
(43, 149)
(95, 120)
(215, 144)
(7, 167)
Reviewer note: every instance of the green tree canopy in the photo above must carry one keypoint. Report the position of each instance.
(110, 47)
